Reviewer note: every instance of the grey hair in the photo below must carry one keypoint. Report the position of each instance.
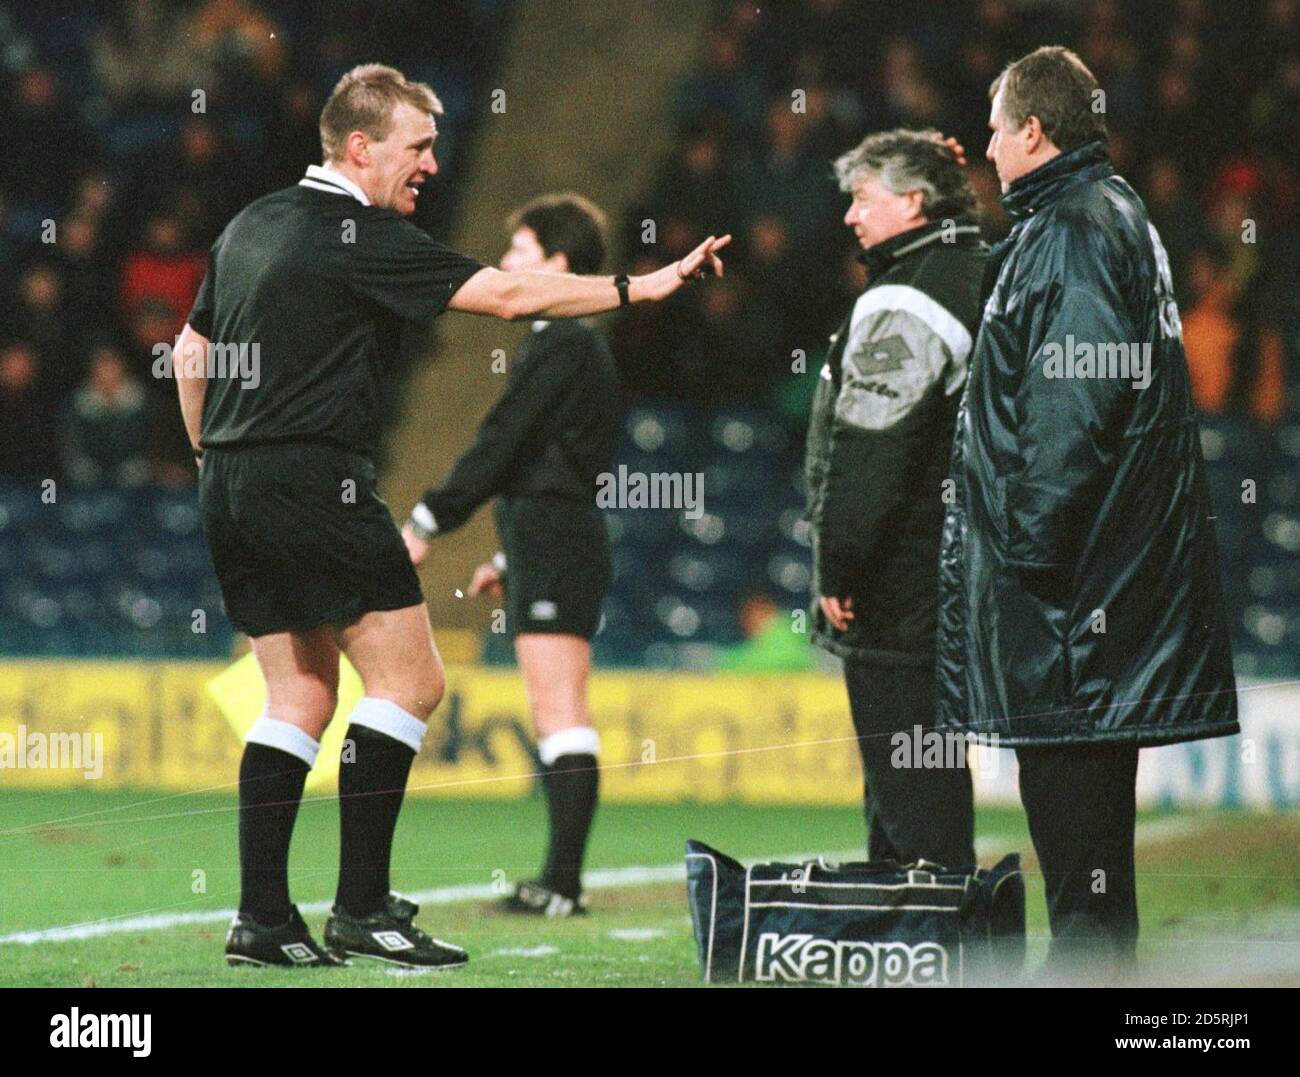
(905, 160)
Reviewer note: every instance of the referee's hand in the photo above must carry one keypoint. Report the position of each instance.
(417, 547)
(701, 262)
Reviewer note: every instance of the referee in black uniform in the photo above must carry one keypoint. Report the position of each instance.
(540, 452)
(305, 295)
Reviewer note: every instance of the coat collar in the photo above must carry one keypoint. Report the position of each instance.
(1039, 188)
(877, 259)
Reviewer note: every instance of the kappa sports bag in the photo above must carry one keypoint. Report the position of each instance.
(878, 924)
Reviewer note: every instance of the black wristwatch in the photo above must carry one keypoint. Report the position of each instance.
(621, 282)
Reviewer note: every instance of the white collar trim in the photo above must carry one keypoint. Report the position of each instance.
(324, 178)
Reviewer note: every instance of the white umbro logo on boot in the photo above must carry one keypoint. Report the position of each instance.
(392, 940)
(298, 952)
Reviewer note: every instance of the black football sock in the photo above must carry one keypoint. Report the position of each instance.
(270, 790)
(571, 782)
(372, 781)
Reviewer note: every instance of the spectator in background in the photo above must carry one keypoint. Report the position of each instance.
(1176, 218)
(104, 430)
(240, 38)
(46, 146)
(694, 184)
(163, 271)
(197, 177)
(1211, 331)
(26, 434)
(771, 644)
(87, 275)
(143, 52)
(784, 178)
(723, 88)
(41, 318)
(725, 349)
(168, 446)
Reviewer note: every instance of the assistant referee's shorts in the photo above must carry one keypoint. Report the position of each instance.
(557, 564)
(301, 538)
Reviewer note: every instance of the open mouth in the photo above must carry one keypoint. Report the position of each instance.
(414, 188)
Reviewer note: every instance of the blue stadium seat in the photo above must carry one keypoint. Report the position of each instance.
(747, 432)
(658, 431)
(176, 514)
(791, 574)
(706, 571)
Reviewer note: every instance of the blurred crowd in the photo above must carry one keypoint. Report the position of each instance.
(1203, 105)
(135, 131)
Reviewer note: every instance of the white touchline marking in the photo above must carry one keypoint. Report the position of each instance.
(525, 951)
(636, 934)
(600, 879)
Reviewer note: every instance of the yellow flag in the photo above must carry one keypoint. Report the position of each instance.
(240, 692)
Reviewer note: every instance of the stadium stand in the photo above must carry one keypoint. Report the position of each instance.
(777, 92)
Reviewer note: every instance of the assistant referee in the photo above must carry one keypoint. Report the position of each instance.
(314, 283)
(540, 452)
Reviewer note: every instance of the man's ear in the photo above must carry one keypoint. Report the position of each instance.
(1033, 135)
(358, 148)
(561, 262)
(916, 204)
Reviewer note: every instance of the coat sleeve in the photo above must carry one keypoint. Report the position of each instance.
(1066, 423)
(894, 360)
(509, 435)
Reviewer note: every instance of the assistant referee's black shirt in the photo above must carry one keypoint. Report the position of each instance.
(321, 283)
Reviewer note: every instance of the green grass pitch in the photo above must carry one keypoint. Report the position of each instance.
(1219, 892)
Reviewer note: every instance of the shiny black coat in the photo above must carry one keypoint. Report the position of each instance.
(1079, 587)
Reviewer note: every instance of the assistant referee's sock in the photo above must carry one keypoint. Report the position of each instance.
(272, 772)
(381, 743)
(571, 778)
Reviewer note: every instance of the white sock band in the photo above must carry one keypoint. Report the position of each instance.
(576, 740)
(272, 733)
(386, 717)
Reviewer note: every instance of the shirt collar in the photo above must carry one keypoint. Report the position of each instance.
(324, 178)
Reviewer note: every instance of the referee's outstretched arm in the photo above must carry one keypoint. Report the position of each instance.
(566, 295)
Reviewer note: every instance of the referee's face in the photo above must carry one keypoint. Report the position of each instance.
(401, 163)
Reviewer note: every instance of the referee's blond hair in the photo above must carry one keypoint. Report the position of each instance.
(364, 100)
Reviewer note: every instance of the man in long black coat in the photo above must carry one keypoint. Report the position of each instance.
(1081, 614)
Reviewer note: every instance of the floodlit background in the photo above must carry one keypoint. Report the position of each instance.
(134, 131)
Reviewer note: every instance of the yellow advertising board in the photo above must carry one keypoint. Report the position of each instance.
(665, 736)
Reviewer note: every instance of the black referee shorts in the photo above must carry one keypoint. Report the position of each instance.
(557, 565)
(301, 538)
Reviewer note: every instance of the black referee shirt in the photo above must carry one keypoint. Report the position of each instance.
(552, 432)
(313, 285)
